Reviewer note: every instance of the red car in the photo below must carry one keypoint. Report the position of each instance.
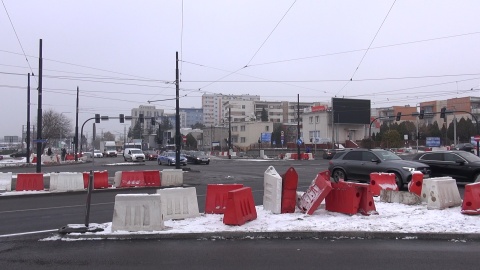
(150, 155)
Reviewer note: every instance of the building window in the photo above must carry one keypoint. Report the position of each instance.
(267, 128)
(234, 129)
(242, 128)
(317, 118)
(242, 139)
(311, 119)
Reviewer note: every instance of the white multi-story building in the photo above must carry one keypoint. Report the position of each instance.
(281, 111)
(148, 112)
(212, 105)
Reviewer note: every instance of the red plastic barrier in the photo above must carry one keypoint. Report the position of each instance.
(70, 157)
(294, 156)
(152, 178)
(216, 197)
(367, 204)
(379, 181)
(100, 179)
(471, 199)
(316, 193)
(305, 156)
(415, 185)
(240, 207)
(289, 191)
(343, 198)
(29, 181)
(132, 179)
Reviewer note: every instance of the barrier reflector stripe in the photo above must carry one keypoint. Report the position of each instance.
(240, 207)
(289, 191)
(471, 199)
(272, 190)
(179, 203)
(216, 197)
(316, 193)
(137, 212)
(29, 181)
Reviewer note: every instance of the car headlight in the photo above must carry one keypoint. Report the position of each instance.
(410, 169)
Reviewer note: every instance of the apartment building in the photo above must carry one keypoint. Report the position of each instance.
(148, 112)
(213, 110)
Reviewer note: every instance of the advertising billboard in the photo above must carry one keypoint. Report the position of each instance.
(432, 142)
(351, 111)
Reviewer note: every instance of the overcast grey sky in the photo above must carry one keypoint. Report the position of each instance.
(121, 54)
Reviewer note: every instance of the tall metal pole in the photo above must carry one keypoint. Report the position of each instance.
(28, 119)
(229, 132)
(76, 129)
(39, 113)
(298, 126)
(177, 116)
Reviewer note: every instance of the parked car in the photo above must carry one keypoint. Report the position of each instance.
(150, 155)
(197, 157)
(97, 154)
(465, 147)
(357, 164)
(19, 154)
(329, 153)
(460, 165)
(169, 158)
(133, 154)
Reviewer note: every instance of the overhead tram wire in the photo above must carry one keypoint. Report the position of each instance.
(370, 45)
(234, 72)
(359, 50)
(18, 39)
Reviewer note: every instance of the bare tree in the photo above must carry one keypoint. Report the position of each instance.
(108, 136)
(55, 126)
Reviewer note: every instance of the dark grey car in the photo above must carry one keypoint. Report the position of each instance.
(460, 165)
(357, 164)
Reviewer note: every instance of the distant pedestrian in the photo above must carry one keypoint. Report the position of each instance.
(64, 153)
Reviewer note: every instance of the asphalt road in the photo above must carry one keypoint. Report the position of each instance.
(35, 213)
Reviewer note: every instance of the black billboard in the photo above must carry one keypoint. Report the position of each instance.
(351, 111)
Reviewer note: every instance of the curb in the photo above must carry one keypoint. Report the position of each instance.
(281, 235)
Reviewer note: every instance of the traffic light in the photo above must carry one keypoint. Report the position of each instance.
(442, 112)
(422, 113)
(122, 118)
(97, 118)
(399, 115)
(140, 118)
(152, 121)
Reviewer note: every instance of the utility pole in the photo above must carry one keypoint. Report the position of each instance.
(28, 120)
(177, 116)
(39, 114)
(229, 132)
(298, 127)
(76, 131)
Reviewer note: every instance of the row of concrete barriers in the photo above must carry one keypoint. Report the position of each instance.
(140, 212)
(75, 181)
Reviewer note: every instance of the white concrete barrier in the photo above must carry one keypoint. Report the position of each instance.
(426, 186)
(6, 181)
(171, 177)
(117, 180)
(272, 191)
(66, 181)
(441, 193)
(137, 212)
(179, 203)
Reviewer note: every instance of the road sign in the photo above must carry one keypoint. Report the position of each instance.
(40, 140)
(476, 138)
(282, 133)
(299, 142)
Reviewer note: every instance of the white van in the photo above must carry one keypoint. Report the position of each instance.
(133, 154)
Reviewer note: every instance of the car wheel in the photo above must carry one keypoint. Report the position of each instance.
(169, 163)
(159, 162)
(125, 159)
(339, 174)
(477, 178)
(208, 162)
(399, 181)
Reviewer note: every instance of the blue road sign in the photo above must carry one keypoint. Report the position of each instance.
(40, 140)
